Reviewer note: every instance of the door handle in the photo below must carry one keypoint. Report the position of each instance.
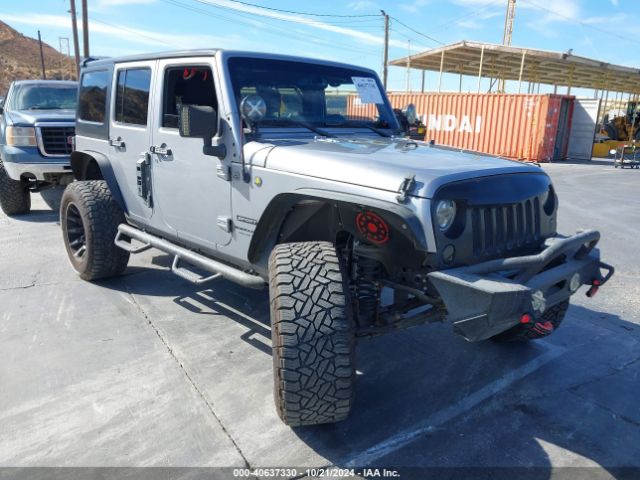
(161, 150)
(116, 142)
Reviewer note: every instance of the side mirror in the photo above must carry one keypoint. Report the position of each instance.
(198, 121)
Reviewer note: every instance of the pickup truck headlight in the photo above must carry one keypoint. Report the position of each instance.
(445, 213)
(21, 136)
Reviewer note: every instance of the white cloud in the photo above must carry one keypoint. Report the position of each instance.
(133, 35)
(469, 24)
(363, 37)
(360, 5)
(556, 11)
(614, 3)
(415, 6)
(471, 3)
(117, 3)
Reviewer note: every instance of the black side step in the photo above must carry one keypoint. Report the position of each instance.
(181, 254)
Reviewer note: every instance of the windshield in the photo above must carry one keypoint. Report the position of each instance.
(299, 93)
(43, 96)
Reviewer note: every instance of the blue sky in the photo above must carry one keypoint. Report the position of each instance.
(592, 28)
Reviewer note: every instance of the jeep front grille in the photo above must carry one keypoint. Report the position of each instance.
(502, 228)
(55, 140)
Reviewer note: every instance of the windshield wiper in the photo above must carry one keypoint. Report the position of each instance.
(379, 131)
(299, 123)
(45, 108)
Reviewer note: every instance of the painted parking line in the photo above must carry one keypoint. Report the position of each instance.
(403, 438)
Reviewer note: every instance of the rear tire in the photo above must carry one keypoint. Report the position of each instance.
(15, 198)
(89, 217)
(313, 334)
(540, 328)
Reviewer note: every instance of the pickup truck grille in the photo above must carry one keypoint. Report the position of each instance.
(502, 228)
(56, 140)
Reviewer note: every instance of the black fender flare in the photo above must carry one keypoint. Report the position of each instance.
(80, 162)
(270, 223)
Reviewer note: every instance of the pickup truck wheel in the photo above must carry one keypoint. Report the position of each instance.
(312, 333)
(543, 327)
(89, 217)
(15, 197)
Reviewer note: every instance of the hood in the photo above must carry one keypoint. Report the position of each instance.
(30, 117)
(383, 163)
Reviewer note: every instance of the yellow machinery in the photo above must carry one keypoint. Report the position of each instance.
(627, 127)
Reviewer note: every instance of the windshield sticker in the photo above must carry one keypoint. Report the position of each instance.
(368, 90)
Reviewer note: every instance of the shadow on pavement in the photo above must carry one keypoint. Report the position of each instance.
(427, 398)
(38, 216)
(608, 162)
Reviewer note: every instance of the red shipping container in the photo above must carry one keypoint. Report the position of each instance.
(522, 127)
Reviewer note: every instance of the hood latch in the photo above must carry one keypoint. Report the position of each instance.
(405, 188)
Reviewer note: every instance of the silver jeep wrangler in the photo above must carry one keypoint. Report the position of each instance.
(260, 169)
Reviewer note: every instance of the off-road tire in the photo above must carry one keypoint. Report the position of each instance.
(540, 328)
(312, 333)
(15, 198)
(99, 216)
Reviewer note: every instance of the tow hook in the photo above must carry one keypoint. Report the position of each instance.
(595, 286)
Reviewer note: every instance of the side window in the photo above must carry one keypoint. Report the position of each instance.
(188, 85)
(93, 96)
(132, 96)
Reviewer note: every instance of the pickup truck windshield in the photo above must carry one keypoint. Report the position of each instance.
(36, 96)
(313, 94)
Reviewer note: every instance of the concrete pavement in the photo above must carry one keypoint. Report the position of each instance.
(148, 370)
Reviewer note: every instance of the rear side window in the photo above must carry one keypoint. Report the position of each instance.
(93, 96)
(132, 96)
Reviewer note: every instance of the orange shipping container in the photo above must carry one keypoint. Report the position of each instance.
(523, 127)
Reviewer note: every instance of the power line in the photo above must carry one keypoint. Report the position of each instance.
(300, 21)
(131, 30)
(302, 13)
(417, 32)
(274, 30)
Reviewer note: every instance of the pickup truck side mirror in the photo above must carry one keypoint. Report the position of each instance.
(198, 121)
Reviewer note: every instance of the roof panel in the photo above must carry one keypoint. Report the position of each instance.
(543, 66)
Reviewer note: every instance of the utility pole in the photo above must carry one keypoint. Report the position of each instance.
(65, 52)
(85, 28)
(74, 25)
(508, 33)
(385, 54)
(44, 74)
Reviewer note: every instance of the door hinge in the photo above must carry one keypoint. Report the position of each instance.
(143, 179)
(223, 172)
(225, 223)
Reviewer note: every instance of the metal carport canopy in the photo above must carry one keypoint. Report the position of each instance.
(490, 60)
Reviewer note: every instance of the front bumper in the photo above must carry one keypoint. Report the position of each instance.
(27, 161)
(488, 298)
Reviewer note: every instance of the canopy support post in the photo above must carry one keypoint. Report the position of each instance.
(441, 68)
(524, 53)
(480, 68)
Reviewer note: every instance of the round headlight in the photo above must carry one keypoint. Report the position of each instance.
(445, 213)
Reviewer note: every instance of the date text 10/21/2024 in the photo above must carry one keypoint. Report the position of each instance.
(322, 472)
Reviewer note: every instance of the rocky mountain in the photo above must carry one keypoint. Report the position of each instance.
(20, 59)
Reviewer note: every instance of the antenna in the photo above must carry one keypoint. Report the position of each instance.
(508, 33)
(508, 22)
